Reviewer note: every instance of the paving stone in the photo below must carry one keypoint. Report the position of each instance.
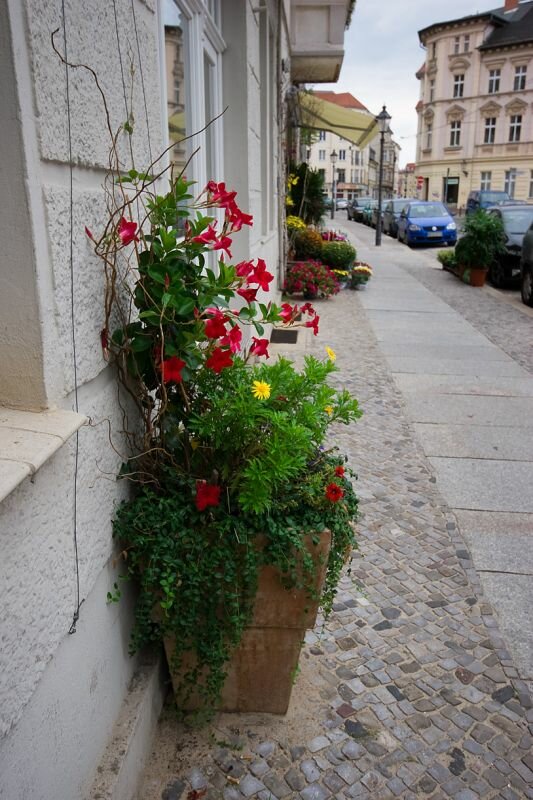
(318, 744)
(277, 786)
(310, 770)
(295, 779)
(348, 773)
(315, 792)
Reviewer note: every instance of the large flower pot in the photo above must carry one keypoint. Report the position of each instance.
(474, 276)
(262, 670)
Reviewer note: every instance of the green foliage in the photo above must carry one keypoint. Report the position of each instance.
(447, 258)
(307, 194)
(339, 255)
(308, 244)
(483, 239)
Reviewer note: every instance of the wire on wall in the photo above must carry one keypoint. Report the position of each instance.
(76, 614)
(142, 80)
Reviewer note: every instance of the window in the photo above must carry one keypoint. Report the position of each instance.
(429, 136)
(466, 47)
(372, 154)
(490, 130)
(519, 79)
(322, 136)
(455, 133)
(456, 44)
(321, 155)
(510, 182)
(432, 90)
(458, 85)
(342, 155)
(341, 176)
(494, 80)
(531, 183)
(322, 173)
(485, 181)
(515, 128)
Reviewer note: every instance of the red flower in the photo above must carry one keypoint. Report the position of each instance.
(223, 243)
(243, 268)
(233, 339)
(237, 218)
(219, 360)
(288, 312)
(307, 308)
(206, 495)
(339, 471)
(126, 231)
(248, 294)
(89, 233)
(215, 324)
(334, 492)
(209, 235)
(171, 370)
(259, 347)
(260, 275)
(313, 323)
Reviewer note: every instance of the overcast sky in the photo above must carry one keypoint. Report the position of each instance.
(383, 53)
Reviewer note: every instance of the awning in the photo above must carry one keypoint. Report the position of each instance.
(355, 126)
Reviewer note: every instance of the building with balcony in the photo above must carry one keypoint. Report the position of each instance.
(475, 113)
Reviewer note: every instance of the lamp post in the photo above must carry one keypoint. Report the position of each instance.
(383, 121)
(333, 159)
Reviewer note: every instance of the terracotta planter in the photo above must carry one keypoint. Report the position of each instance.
(474, 276)
(262, 669)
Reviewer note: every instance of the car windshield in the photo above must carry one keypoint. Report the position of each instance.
(427, 210)
(517, 220)
(494, 197)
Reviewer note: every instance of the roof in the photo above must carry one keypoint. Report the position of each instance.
(510, 27)
(344, 99)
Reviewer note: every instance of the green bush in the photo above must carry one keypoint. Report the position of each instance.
(483, 240)
(338, 255)
(308, 244)
(447, 258)
(307, 193)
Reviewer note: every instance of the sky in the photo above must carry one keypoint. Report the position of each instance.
(382, 55)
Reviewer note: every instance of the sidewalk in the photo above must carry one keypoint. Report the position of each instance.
(408, 691)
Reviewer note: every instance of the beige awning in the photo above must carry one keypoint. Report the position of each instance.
(355, 126)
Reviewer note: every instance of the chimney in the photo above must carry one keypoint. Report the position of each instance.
(510, 5)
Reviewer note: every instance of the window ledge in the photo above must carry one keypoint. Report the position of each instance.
(28, 439)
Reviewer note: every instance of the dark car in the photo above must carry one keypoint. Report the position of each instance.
(526, 268)
(341, 204)
(483, 198)
(425, 222)
(355, 208)
(391, 215)
(368, 208)
(516, 220)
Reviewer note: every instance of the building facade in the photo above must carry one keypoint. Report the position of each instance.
(407, 183)
(475, 113)
(356, 169)
(68, 685)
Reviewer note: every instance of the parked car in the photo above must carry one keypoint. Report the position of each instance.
(341, 204)
(480, 198)
(366, 216)
(355, 207)
(425, 222)
(516, 221)
(391, 215)
(526, 268)
(374, 217)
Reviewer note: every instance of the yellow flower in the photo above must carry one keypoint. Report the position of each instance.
(194, 443)
(329, 410)
(261, 390)
(331, 354)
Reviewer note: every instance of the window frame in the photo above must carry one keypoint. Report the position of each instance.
(494, 80)
(489, 131)
(459, 85)
(485, 182)
(455, 133)
(520, 76)
(515, 128)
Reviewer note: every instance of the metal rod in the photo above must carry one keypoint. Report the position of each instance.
(380, 189)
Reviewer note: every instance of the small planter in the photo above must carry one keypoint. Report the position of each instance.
(358, 282)
(262, 670)
(474, 276)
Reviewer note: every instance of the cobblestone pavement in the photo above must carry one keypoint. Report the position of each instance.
(407, 691)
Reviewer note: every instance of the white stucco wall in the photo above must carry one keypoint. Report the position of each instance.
(60, 694)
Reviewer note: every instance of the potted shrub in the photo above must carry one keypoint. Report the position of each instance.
(360, 274)
(310, 278)
(308, 244)
(240, 517)
(475, 251)
(338, 255)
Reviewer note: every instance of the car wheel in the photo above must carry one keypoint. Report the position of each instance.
(497, 275)
(526, 289)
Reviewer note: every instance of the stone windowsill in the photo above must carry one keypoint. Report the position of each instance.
(28, 439)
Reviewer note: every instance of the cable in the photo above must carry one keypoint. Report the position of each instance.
(142, 79)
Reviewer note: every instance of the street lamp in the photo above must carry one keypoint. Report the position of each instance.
(383, 121)
(333, 159)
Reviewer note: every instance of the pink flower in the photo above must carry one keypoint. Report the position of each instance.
(259, 347)
(233, 339)
(126, 231)
(219, 360)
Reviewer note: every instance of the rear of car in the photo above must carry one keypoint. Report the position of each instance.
(425, 222)
(482, 199)
(516, 220)
(355, 208)
(391, 215)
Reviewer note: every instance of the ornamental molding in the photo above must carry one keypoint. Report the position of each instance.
(494, 63)
(516, 106)
(455, 113)
(521, 60)
(490, 109)
(429, 115)
(459, 64)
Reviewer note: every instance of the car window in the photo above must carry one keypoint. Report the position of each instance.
(398, 205)
(427, 210)
(494, 197)
(517, 221)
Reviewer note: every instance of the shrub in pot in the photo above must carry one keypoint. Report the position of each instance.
(230, 470)
(310, 278)
(308, 244)
(338, 255)
(483, 239)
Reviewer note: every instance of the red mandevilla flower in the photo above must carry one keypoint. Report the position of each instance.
(215, 324)
(334, 492)
(171, 370)
(206, 495)
(288, 312)
(259, 347)
(219, 360)
(260, 275)
(248, 294)
(233, 339)
(126, 231)
(243, 268)
(339, 471)
(313, 323)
